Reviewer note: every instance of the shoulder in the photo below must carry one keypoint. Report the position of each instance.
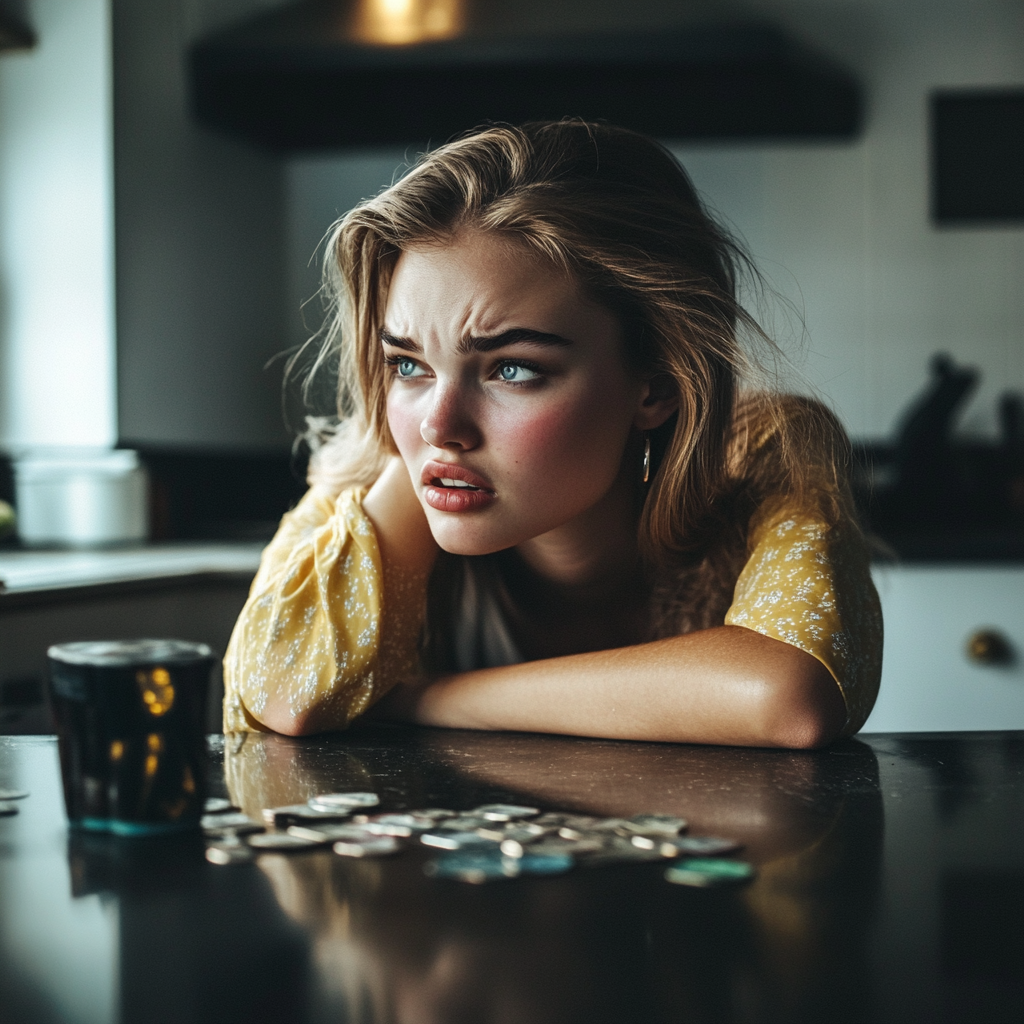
(790, 455)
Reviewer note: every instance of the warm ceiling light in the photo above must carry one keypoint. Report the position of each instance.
(400, 22)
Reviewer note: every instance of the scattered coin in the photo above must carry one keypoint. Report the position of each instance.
(230, 823)
(12, 794)
(437, 813)
(465, 824)
(341, 801)
(281, 841)
(377, 846)
(415, 822)
(525, 829)
(312, 834)
(619, 851)
(218, 805)
(706, 872)
(646, 842)
(382, 828)
(8, 808)
(505, 812)
(576, 847)
(551, 819)
(228, 854)
(299, 814)
(456, 840)
(654, 825)
(700, 846)
(355, 833)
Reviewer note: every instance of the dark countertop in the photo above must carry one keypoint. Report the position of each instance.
(890, 888)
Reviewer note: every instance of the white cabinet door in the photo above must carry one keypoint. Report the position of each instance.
(929, 682)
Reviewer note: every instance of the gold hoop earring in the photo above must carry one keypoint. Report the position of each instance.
(647, 456)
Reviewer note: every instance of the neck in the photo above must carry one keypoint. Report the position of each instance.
(595, 555)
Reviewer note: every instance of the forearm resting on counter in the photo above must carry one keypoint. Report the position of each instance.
(727, 685)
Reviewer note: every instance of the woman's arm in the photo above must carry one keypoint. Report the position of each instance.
(727, 685)
(301, 660)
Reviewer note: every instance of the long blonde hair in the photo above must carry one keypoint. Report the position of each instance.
(617, 212)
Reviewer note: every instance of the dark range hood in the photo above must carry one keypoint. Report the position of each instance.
(323, 74)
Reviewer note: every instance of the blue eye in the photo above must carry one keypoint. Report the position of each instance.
(407, 368)
(516, 373)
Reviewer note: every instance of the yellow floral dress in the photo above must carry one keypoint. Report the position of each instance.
(310, 630)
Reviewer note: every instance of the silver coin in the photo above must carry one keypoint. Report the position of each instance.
(435, 813)
(340, 801)
(8, 808)
(617, 826)
(378, 846)
(699, 846)
(232, 821)
(281, 841)
(298, 814)
(12, 794)
(456, 840)
(228, 854)
(553, 846)
(654, 825)
(218, 805)
(551, 819)
(580, 822)
(465, 824)
(496, 832)
(382, 828)
(505, 812)
(412, 821)
(312, 834)
(619, 851)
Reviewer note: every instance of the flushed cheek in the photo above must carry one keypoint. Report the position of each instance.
(552, 448)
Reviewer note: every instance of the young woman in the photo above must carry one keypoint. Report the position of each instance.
(549, 505)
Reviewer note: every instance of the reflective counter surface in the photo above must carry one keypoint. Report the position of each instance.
(890, 887)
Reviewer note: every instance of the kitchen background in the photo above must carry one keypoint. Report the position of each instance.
(151, 267)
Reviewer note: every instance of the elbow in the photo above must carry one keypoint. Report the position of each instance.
(807, 710)
(286, 721)
(806, 729)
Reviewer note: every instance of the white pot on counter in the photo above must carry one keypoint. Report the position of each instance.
(86, 497)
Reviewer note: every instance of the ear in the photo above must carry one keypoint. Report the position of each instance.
(659, 399)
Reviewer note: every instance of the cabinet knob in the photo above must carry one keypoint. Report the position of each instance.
(989, 647)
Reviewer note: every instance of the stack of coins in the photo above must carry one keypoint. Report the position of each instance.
(481, 844)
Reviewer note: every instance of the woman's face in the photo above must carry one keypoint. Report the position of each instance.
(508, 398)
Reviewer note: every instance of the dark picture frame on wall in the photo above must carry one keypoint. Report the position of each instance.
(977, 157)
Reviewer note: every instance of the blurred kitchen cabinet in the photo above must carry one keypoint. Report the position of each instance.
(201, 608)
(954, 648)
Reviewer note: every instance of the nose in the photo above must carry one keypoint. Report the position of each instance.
(449, 422)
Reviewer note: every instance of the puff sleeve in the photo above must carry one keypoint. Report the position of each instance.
(310, 631)
(810, 585)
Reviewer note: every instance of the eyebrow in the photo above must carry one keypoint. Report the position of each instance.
(517, 335)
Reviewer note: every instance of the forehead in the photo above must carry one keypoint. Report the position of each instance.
(479, 283)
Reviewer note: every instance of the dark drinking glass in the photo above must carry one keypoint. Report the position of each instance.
(130, 726)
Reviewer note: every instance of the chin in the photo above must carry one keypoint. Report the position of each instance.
(468, 539)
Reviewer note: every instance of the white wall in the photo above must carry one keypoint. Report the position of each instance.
(56, 245)
(200, 248)
(840, 229)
